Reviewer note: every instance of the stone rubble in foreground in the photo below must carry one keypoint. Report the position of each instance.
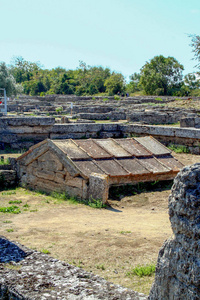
(27, 274)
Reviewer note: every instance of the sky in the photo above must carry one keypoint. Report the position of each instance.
(120, 34)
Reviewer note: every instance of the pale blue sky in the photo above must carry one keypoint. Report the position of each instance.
(119, 34)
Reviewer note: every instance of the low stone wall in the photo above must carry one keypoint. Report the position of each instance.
(178, 268)
(8, 177)
(28, 274)
(190, 122)
(25, 132)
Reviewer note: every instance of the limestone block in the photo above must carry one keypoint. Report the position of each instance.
(33, 154)
(159, 130)
(49, 186)
(28, 129)
(46, 156)
(7, 137)
(31, 179)
(91, 135)
(28, 121)
(187, 133)
(73, 128)
(98, 187)
(112, 134)
(63, 135)
(187, 122)
(85, 189)
(45, 174)
(34, 164)
(109, 127)
(50, 161)
(76, 182)
(59, 178)
(73, 191)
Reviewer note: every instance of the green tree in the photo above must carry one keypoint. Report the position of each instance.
(115, 83)
(196, 47)
(133, 85)
(23, 70)
(192, 81)
(7, 81)
(161, 76)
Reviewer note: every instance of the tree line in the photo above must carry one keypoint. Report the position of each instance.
(160, 76)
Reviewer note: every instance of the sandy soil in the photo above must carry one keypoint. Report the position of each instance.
(108, 242)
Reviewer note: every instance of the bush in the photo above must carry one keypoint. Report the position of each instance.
(141, 271)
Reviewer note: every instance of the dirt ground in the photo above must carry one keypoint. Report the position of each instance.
(108, 242)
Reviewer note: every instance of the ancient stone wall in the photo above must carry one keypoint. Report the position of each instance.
(178, 269)
(25, 132)
(190, 122)
(8, 177)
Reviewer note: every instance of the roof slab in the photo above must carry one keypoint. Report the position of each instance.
(128, 157)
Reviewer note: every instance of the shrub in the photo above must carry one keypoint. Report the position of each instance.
(10, 209)
(179, 148)
(141, 271)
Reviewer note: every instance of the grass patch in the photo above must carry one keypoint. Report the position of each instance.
(8, 193)
(125, 232)
(4, 162)
(117, 98)
(10, 209)
(100, 267)
(15, 202)
(7, 221)
(142, 271)
(45, 251)
(179, 148)
(158, 99)
(94, 203)
(10, 230)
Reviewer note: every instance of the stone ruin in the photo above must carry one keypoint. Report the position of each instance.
(28, 274)
(87, 168)
(178, 267)
(147, 110)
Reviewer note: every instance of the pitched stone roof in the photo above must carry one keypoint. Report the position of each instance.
(113, 157)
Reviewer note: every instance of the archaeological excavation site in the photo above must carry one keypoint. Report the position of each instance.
(83, 150)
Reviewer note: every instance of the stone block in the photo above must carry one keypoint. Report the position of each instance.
(45, 175)
(158, 130)
(187, 122)
(98, 187)
(75, 182)
(74, 128)
(109, 127)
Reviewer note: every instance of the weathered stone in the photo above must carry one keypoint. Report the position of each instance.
(178, 269)
(76, 182)
(45, 174)
(98, 187)
(35, 275)
(7, 178)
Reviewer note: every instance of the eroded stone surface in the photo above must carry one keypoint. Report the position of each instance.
(38, 276)
(178, 266)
